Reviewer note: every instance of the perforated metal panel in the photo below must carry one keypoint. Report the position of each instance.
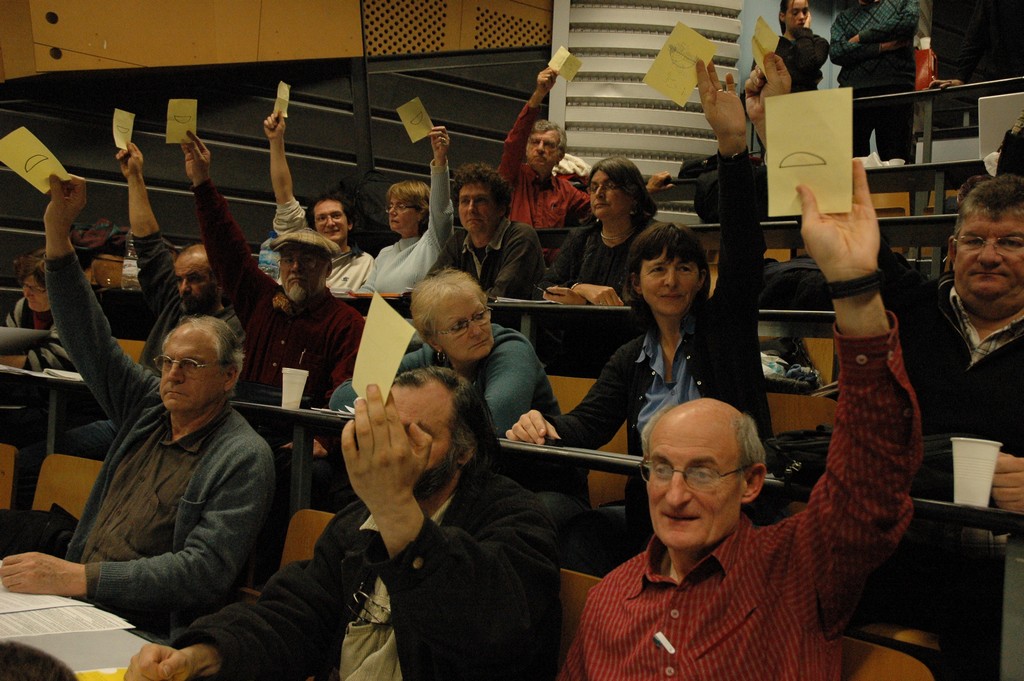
(495, 26)
(406, 26)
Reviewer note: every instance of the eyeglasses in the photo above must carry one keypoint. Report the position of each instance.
(368, 610)
(324, 217)
(1007, 245)
(698, 478)
(38, 290)
(460, 327)
(398, 207)
(188, 366)
(596, 188)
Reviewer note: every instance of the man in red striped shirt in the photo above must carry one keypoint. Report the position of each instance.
(714, 598)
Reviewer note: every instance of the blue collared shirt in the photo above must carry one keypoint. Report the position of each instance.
(680, 387)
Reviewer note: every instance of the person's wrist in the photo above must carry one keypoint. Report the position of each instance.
(854, 284)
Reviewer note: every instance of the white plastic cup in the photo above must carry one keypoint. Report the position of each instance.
(292, 383)
(974, 464)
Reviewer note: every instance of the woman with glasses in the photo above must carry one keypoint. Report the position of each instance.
(27, 424)
(423, 226)
(695, 344)
(591, 264)
(450, 313)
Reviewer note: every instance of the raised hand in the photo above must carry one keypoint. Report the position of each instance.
(67, 199)
(131, 161)
(722, 109)
(775, 80)
(545, 81)
(197, 160)
(439, 143)
(844, 245)
(274, 126)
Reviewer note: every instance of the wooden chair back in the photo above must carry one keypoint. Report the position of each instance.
(603, 487)
(798, 412)
(304, 529)
(863, 661)
(66, 481)
(132, 348)
(8, 455)
(573, 594)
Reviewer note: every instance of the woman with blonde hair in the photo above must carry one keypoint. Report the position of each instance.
(450, 313)
(423, 219)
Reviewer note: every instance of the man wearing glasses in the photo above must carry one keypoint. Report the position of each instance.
(710, 588)
(187, 483)
(442, 571)
(964, 351)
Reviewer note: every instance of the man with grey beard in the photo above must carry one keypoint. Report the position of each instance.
(296, 324)
(441, 569)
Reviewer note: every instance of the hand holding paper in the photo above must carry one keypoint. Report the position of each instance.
(722, 109)
(765, 40)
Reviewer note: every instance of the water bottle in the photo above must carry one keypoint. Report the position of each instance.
(130, 268)
(269, 258)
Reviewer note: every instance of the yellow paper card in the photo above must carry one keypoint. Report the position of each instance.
(181, 119)
(565, 63)
(673, 73)
(385, 339)
(124, 123)
(102, 675)
(284, 93)
(416, 120)
(765, 40)
(810, 141)
(22, 152)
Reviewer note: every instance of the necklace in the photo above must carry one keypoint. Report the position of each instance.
(615, 240)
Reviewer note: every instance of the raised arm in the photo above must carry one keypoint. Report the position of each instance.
(140, 213)
(775, 80)
(280, 175)
(442, 213)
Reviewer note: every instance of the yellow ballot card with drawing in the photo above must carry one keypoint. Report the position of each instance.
(284, 95)
(385, 339)
(415, 119)
(810, 141)
(565, 63)
(124, 123)
(22, 152)
(673, 73)
(181, 119)
(765, 40)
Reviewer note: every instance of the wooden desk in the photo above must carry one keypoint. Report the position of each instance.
(87, 650)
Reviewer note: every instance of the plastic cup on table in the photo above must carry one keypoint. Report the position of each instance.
(293, 381)
(974, 464)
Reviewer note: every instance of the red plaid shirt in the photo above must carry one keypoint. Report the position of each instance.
(773, 602)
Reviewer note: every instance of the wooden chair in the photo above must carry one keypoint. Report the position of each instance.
(132, 348)
(603, 487)
(863, 661)
(917, 637)
(798, 412)
(573, 594)
(66, 481)
(304, 529)
(8, 454)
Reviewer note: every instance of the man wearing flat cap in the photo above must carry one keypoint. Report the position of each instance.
(296, 324)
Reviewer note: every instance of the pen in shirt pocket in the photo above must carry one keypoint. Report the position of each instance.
(301, 356)
(661, 640)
